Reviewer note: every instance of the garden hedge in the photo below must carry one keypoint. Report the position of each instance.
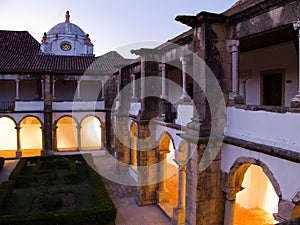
(103, 214)
(2, 160)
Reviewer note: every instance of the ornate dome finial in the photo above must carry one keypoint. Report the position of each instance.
(67, 16)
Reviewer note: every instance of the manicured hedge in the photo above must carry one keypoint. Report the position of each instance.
(18, 169)
(1, 162)
(103, 214)
(6, 190)
(72, 176)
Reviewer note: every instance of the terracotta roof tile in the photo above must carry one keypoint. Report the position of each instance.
(20, 53)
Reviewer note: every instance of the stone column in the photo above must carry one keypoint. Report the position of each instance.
(102, 90)
(234, 96)
(78, 137)
(78, 89)
(163, 80)
(296, 100)
(53, 88)
(179, 211)
(184, 97)
(43, 91)
(230, 204)
(17, 89)
(18, 153)
(133, 98)
(162, 194)
(47, 115)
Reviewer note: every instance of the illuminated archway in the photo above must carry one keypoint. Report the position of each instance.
(133, 138)
(252, 193)
(66, 134)
(31, 136)
(8, 137)
(90, 133)
(258, 200)
(167, 193)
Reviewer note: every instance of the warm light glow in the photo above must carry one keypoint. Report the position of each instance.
(90, 133)
(31, 134)
(8, 134)
(133, 133)
(172, 173)
(259, 194)
(66, 134)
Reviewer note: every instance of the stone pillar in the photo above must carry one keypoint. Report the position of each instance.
(43, 91)
(234, 96)
(230, 204)
(146, 145)
(122, 140)
(295, 103)
(162, 194)
(133, 98)
(102, 90)
(19, 152)
(47, 115)
(78, 137)
(53, 88)
(17, 89)
(184, 97)
(179, 211)
(163, 80)
(78, 89)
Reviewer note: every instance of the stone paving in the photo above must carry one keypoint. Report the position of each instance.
(129, 213)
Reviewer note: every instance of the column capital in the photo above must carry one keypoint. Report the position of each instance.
(184, 59)
(296, 25)
(231, 192)
(232, 45)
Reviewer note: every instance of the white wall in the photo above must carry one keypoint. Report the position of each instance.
(282, 56)
(269, 128)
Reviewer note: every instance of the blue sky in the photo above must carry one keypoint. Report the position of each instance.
(111, 24)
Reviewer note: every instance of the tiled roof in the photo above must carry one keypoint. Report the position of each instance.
(20, 53)
(18, 43)
(240, 6)
(109, 63)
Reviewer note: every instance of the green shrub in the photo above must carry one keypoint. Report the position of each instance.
(2, 160)
(18, 169)
(6, 190)
(72, 176)
(103, 214)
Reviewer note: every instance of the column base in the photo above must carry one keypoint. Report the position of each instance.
(235, 98)
(133, 100)
(184, 98)
(162, 196)
(178, 216)
(18, 154)
(295, 103)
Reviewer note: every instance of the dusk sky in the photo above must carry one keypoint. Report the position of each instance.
(110, 24)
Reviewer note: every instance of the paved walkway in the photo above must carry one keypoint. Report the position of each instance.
(8, 166)
(129, 213)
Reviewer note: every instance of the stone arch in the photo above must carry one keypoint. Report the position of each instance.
(239, 168)
(8, 137)
(133, 144)
(66, 133)
(31, 136)
(91, 133)
(167, 193)
(233, 185)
